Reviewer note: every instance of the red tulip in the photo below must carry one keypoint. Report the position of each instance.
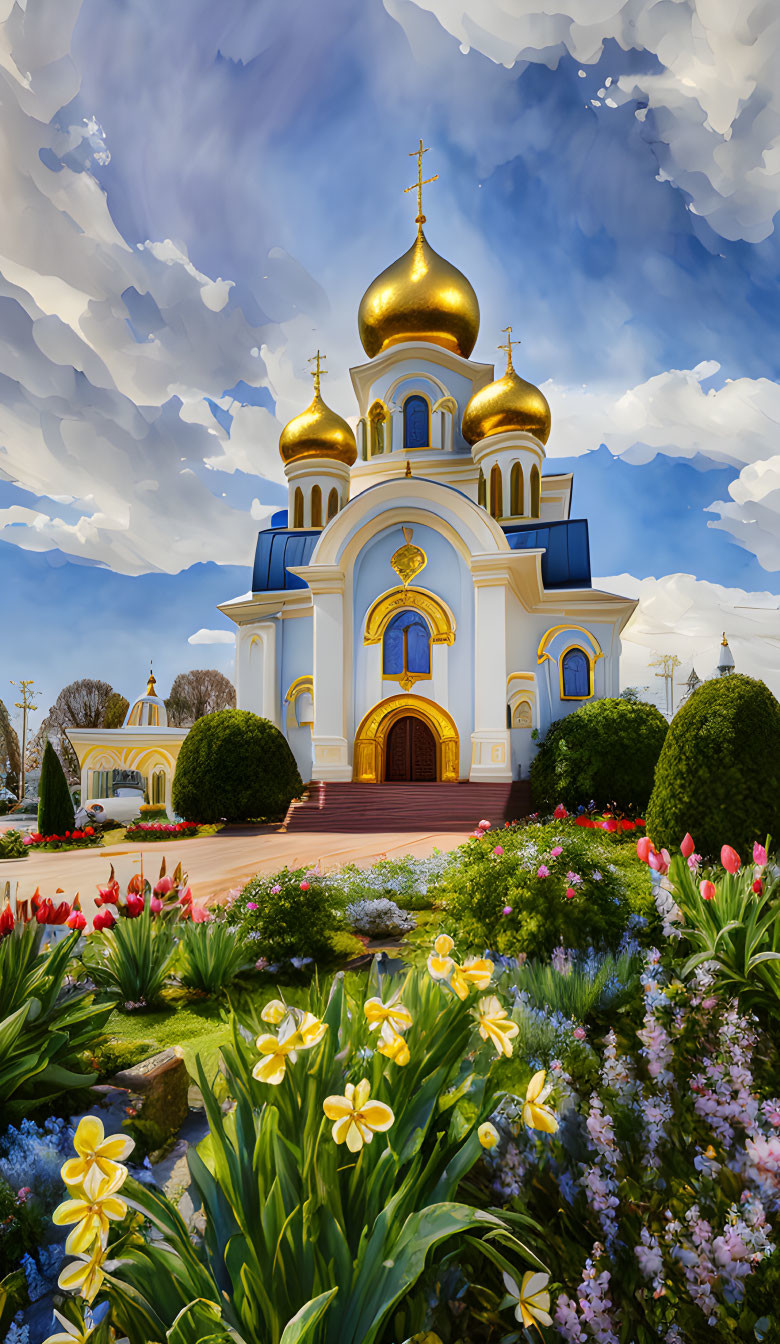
(201, 915)
(759, 855)
(687, 846)
(6, 922)
(76, 920)
(135, 905)
(164, 885)
(103, 920)
(644, 848)
(136, 885)
(609, 825)
(708, 890)
(660, 862)
(108, 895)
(155, 905)
(560, 812)
(758, 886)
(730, 859)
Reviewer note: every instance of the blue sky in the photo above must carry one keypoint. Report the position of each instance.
(203, 195)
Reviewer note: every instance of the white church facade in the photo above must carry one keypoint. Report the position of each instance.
(424, 610)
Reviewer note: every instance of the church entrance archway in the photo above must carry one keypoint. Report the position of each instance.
(410, 753)
(406, 738)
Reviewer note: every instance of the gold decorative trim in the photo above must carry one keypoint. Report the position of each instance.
(591, 677)
(371, 737)
(301, 686)
(559, 629)
(408, 560)
(436, 612)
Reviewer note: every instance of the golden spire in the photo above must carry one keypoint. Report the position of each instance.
(151, 682)
(408, 467)
(317, 371)
(419, 184)
(724, 641)
(510, 368)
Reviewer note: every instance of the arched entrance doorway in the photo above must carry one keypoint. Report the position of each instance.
(410, 745)
(410, 752)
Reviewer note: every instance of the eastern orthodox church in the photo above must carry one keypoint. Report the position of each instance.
(424, 609)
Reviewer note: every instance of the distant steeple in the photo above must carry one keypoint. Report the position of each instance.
(725, 661)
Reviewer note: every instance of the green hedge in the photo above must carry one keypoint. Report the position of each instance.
(606, 751)
(234, 766)
(718, 776)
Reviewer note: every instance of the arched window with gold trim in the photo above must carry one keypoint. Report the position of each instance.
(298, 507)
(377, 418)
(482, 490)
(417, 432)
(575, 675)
(496, 492)
(522, 716)
(517, 492)
(333, 503)
(316, 506)
(406, 649)
(536, 492)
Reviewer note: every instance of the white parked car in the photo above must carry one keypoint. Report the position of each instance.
(124, 808)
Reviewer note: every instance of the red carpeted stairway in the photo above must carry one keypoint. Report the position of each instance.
(407, 807)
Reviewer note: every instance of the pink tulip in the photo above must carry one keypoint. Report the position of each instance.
(759, 855)
(498, 851)
(708, 890)
(200, 914)
(186, 896)
(483, 825)
(687, 846)
(730, 859)
(644, 848)
(164, 885)
(155, 905)
(659, 862)
(556, 852)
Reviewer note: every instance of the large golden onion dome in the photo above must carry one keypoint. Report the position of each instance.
(509, 403)
(420, 297)
(318, 432)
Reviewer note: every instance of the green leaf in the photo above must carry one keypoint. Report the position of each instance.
(303, 1323)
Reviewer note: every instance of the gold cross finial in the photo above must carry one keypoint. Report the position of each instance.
(317, 371)
(150, 685)
(510, 368)
(419, 184)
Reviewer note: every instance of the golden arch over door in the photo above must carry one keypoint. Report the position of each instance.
(371, 738)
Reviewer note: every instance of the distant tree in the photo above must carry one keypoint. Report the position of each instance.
(55, 805)
(631, 694)
(10, 753)
(115, 711)
(80, 704)
(197, 693)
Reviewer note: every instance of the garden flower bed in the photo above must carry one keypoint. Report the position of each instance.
(159, 830)
(89, 838)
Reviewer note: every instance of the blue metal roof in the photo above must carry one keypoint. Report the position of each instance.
(566, 559)
(278, 547)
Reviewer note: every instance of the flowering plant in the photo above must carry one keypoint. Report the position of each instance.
(158, 830)
(289, 914)
(76, 839)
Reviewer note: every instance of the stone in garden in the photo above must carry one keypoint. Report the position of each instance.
(162, 1083)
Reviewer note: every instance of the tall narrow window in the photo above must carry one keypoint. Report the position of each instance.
(298, 508)
(416, 430)
(536, 493)
(406, 649)
(496, 492)
(482, 490)
(333, 504)
(575, 675)
(316, 506)
(158, 787)
(517, 492)
(376, 429)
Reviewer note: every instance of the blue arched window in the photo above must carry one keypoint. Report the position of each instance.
(416, 433)
(406, 647)
(575, 675)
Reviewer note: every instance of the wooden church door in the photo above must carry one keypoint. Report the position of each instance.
(410, 754)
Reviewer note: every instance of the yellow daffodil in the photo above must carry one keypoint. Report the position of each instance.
(96, 1152)
(311, 1031)
(396, 1049)
(535, 1114)
(440, 962)
(389, 1019)
(84, 1275)
(91, 1211)
(357, 1118)
(496, 1025)
(488, 1135)
(277, 1050)
(532, 1298)
(70, 1333)
(475, 971)
(274, 1012)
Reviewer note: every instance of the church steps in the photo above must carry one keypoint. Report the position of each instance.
(366, 808)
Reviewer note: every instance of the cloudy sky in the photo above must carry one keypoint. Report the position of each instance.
(196, 195)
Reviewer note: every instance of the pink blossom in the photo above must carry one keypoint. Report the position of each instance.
(304, 886)
(155, 905)
(507, 910)
(694, 862)
(708, 890)
(498, 851)
(730, 859)
(579, 1033)
(644, 848)
(201, 915)
(542, 871)
(687, 846)
(570, 893)
(556, 852)
(164, 885)
(759, 855)
(709, 1003)
(252, 905)
(483, 825)
(275, 889)
(573, 879)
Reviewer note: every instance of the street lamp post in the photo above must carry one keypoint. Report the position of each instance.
(26, 705)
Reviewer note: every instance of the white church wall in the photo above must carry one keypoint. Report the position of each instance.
(297, 660)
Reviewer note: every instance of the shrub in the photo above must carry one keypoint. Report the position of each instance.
(56, 813)
(234, 766)
(12, 845)
(379, 919)
(210, 956)
(500, 902)
(718, 776)
(21, 1227)
(288, 915)
(606, 751)
(133, 958)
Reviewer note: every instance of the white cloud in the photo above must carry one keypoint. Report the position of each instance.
(204, 636)
(686, 616)
(715, 101)
(752, 516)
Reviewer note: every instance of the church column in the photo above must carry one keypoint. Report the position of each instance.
(491, 757)
(330, 751)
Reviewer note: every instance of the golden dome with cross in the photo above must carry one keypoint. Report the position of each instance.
(318, 431)
(509, 403)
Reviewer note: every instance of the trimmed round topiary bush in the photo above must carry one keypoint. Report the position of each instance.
(718, 775)
(234, 766)
(605, 751)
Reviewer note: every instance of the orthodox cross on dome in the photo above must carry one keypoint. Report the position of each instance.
(317, 371)
(150, 685)
(408, 560)
(510, 368)
(419, 184)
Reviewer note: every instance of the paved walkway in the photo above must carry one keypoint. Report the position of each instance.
(214, 864)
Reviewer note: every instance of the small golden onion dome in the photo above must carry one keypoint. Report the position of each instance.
(420, 297)
(318, 432)
(509, 403)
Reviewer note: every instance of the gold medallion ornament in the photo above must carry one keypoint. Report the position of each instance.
(508, 404)
(408, 560)
(420, 297)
